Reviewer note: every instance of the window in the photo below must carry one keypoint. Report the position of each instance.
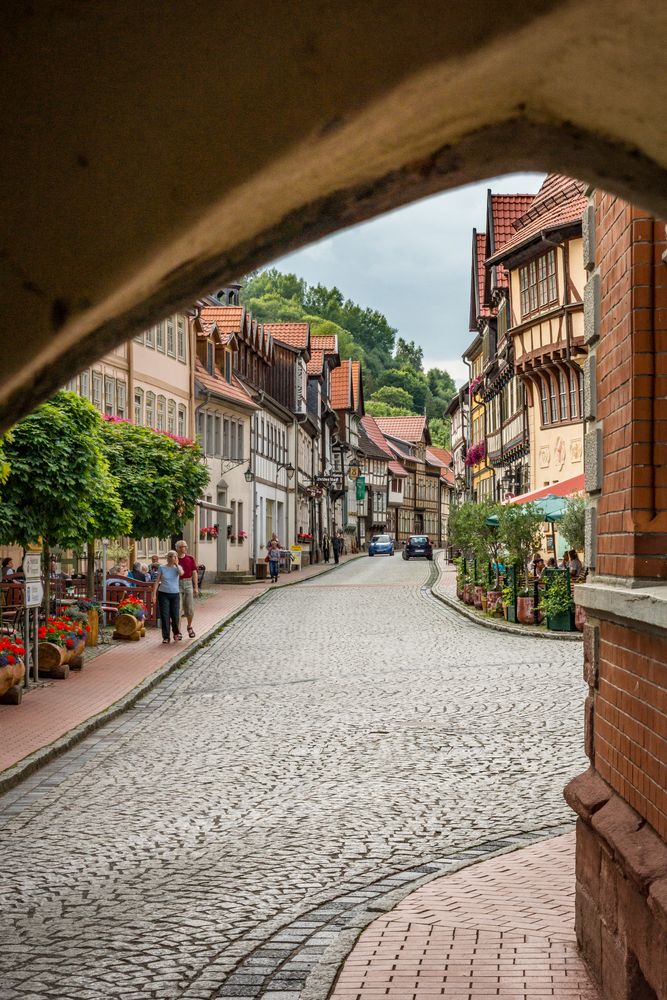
(228, 365)
(150, 409)
(171, 337)
(218, 435)
(109, 395)
(84, 384)
(201, 429)
(210, 434)
(73, 385)
(161, 413)
(232, 443)
(180, 337)
(239, 442)
(225, 439)
(140, 338)
(283, 457)
(121, 399)
(150, 337)
(138, 406)
(537, 281)
(563, 395)
(210, 357)
(239, 517)
(171, 416)
(545, 402)
(181, 421)
(261, 439)
(159, 336)
(233, 520)
(554, 400)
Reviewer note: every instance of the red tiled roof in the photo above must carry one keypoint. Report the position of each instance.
(325, 342)
(292, 334)
(368, 446)
(559, 202)
(233, 391)
(356, 384)
(341, 387)
(405, 428)
(479, 309)
(442, 454)
(504, 209)
(228, 319)
(397, 470)
(371, 428)
(316, 363)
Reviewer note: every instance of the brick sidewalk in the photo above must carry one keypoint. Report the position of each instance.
(49, 712)
(501, 928)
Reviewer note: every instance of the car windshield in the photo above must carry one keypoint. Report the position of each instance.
(419, 539)
(381, 538)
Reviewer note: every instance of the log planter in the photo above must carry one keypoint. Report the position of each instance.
(94, 622)
(56, 661)
(129, 627)
(11, 688)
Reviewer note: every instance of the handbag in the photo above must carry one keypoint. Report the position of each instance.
(266, 559)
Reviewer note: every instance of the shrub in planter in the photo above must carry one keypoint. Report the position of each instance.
(556, 603)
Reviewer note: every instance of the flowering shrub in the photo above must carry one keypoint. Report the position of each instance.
(132, 606)
(11, 651)
(209, 533)
(475, 384)
(178, 438)
(476, 453)
(63, 631)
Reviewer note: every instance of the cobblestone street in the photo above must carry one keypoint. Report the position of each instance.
(335, 736)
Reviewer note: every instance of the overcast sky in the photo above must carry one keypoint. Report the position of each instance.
(413, 265)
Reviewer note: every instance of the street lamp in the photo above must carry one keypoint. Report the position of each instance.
(288, 467)
(249, 475)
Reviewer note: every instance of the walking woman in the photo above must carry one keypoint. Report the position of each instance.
(274, 561)
(166, 588)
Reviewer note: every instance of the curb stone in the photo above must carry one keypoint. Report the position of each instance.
(13, 775)
(499, 626)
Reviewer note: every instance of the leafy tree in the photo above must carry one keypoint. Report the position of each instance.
(160, 477)
(60, 488)
(520, 527)
(376, 409)
(441, 383)
(408, 355)
(412, 382)
(273, 282)
(393, 396)
(441, 432)
(572, 526)
(276, 309)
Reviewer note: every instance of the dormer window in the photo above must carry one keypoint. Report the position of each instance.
(228, 366)
(210, 357)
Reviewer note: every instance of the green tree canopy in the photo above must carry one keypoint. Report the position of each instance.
(60, 487)
(408, 355)
(441, 432)
(377, 409)
(412, 382)
(572, 526)
(520, 527)
(160, 477)
(393, 396)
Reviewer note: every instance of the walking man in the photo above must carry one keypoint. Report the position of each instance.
(336, 545)
(326, 547)
(189, 584)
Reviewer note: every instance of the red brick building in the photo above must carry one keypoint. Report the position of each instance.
(622, 800)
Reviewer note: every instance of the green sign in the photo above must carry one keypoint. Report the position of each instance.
(361, 488)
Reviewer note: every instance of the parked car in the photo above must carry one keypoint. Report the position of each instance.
(418, 547)
(381, 545)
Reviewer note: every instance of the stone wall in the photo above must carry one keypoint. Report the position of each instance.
(622, 800)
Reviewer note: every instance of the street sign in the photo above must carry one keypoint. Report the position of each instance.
(354, 472)
(34, 594)
(361, 488)
(32, 565)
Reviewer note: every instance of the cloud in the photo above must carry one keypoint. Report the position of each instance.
(412, 264)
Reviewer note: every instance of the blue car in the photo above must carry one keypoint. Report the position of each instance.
(381, 545)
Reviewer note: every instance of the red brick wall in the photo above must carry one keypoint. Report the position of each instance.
(632, 391)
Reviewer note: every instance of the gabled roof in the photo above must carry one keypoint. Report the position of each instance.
(228, 319)
(478, 280)
(559, 202)
(316, 364)
(293, 334)
(369, 447)
(371, 428)
(325, 342)
(441, 458)
(341, 387)
(412, 429)
(397, 470)
(357, 388)
(233, 392)
(442, 454)
(501, 211)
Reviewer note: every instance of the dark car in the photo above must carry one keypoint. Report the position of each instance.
(418, 547)
(381, 544)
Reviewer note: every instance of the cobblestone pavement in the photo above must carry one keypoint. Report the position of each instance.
(339, 740)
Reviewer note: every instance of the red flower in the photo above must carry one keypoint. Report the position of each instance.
(69, 643)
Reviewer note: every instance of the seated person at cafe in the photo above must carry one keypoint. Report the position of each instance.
(538, 567)
(137, 573)
(7, 568)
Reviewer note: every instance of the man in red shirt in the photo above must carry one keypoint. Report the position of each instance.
(189, 584)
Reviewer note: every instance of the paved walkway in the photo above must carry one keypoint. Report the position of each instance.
(52, 710)
(501, 928)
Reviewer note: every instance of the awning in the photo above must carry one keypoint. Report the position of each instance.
(552, 507)
(214, 506)
(565, 489)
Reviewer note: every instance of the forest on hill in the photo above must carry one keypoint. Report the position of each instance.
(395, 382)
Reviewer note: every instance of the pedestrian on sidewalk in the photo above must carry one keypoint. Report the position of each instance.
(167, 591)
(337, 546)
(274, 561)
(326, 547)
(189, 585)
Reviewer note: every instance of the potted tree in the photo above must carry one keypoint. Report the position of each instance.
(556, 602)
(520, 528)
(572, 528)
(508, 600)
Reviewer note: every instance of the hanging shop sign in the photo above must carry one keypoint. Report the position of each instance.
(361, 487)
(354, 471)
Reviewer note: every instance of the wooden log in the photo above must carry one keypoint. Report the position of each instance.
(10, 677)
(94, 622)
(13, 696)
(129, 627)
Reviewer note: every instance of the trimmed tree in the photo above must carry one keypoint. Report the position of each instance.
(60, 488)
(572, 526)
(520, 528)
(160, 476)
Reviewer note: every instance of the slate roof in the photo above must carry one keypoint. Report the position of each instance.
(559, 202)
(293, 334)
(369, 447)
(234, 391)
(405, 428)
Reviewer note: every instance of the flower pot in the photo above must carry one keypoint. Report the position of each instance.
(560, 623)
(11, 675)
(579, 618)
(478, 597)
(492, 599)
(129, 627)
(524, 610)
(94, 622)
(485, 602)
(56, 660)
(505, 612)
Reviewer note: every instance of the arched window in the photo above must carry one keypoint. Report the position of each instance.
(150, 409)
(544, 400)
(171, 416)
(161, 412)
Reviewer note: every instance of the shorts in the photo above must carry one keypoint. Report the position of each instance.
(187, 597)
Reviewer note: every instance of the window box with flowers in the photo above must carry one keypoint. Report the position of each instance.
(61, 644)
(304, 536)
(242, 535)
(209, 534)
(12, 669)
(475, 454)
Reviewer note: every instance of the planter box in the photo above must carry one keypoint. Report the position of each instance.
(56, 660)
(11, 690)
(524, 610)
(129, 627)
(478, 597)
(560, 623)
(493, 598)
(94, 622)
